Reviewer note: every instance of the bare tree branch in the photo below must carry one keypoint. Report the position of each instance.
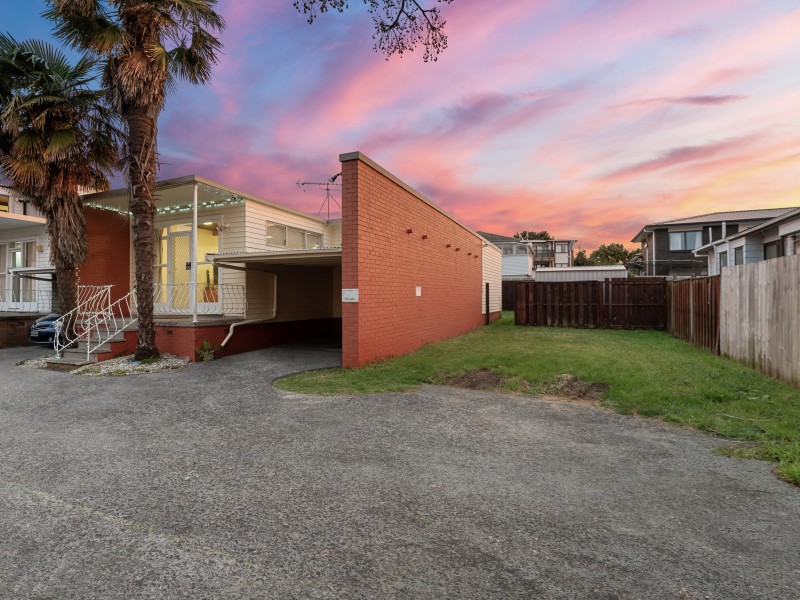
(400, 25)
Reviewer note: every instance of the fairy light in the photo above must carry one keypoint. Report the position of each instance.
(227, 200)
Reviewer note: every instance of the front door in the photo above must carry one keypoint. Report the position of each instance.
(173, 275)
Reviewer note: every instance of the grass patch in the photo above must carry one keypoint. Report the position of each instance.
(648, 373)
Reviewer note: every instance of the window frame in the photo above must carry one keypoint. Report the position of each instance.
(685, 248)
(286, 229)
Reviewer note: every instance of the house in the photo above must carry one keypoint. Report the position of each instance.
(241, 272)
(25, 284)
(522, 257)
(668, 246)
(779, 236)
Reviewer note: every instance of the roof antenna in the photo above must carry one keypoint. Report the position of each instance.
(326, 187)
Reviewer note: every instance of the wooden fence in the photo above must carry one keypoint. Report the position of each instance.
(760, 316)
(510, 293)
(615, 303)
(693, 311)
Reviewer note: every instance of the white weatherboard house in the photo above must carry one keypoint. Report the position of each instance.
(200, 223)
(26, 284)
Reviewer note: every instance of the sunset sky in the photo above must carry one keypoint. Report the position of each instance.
(588, 118)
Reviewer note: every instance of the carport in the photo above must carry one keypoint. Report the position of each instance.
(291, 294)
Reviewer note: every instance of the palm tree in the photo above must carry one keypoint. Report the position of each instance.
(148, 46)
(58, 137)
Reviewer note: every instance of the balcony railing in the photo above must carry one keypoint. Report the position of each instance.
(219, 299)
(35, 301)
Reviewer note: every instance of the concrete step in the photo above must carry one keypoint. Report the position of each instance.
(69, 361)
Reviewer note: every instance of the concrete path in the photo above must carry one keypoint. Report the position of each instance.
(209, 483)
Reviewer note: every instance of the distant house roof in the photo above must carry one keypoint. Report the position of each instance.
(736, 216)
(494, 237)
(790, 214)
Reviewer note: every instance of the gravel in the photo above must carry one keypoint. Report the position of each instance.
(206, 482)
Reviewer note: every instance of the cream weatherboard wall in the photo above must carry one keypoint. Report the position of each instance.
(492, 262)
(303, 293)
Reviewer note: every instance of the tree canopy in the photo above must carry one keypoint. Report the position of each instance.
(533, 235)
(59, 137)
(606, 254)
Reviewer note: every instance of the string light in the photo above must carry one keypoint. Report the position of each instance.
(229, 200)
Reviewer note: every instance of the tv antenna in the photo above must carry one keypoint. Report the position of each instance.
(325, 186)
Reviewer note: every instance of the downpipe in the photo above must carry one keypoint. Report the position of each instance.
(233, 326)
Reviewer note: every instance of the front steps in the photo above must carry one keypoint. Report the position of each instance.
(124, 342)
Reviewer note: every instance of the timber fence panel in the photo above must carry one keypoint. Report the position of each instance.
(694, 311)
(621, 304)
(760, 316)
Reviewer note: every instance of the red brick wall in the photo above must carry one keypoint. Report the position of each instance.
(109, 257)
(185, 341)
(385, 263)
(14, 330)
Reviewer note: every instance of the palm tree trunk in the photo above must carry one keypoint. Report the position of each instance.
(59, 231)
(142, 131)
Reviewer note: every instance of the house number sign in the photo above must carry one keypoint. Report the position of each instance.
(349, 295)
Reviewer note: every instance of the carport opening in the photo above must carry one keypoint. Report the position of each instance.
(292, 297)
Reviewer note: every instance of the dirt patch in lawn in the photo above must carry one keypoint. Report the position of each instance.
(575, 388)
(477, 379)
(566, 386)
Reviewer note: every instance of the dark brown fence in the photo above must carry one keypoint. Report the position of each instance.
(621, 304)
(510, 294)
(693, 311)
(638, 303)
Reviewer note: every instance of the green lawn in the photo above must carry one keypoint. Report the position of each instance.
(648, 373)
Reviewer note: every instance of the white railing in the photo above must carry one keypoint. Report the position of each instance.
(92, 300)
(219, 299)
(103, 326)
(40, 301)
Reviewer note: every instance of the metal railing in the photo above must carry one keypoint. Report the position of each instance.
(102, 326)
(92, 299)
(40, 301)
(219, 299)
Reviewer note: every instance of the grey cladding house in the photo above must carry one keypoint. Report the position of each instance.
(668, 247)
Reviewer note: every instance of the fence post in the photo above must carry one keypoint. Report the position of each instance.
(487, 302)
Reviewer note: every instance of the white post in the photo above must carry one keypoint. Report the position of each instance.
(193, 276)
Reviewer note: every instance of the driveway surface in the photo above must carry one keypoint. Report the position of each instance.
(209, 483)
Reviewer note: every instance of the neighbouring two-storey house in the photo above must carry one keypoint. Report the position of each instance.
(522, 257)
(779, 236)
(668, 246)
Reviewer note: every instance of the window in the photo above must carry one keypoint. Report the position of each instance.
(685, 240)
(772, 250)
(562, 248)
(283, 236)
(508, 250)
(4, 203)
(276, 235)
(723, 259)
(738, 255)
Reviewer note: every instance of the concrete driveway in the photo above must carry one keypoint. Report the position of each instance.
(208, 483)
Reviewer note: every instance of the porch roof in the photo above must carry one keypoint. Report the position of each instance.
(13, 221)
(318, 257)
(32, 272)
(175, 196)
